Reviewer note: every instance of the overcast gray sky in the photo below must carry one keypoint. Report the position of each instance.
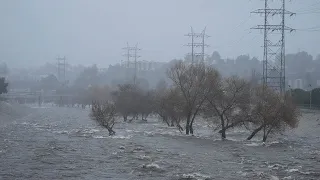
(94, 31)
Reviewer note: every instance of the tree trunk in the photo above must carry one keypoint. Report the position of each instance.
(264, 131)
(264, 138)
(223, 133)
(255, 132)
(180, 128)
(188, 125)
(165, 119)
(191, 128)
(223, 130)
(111, 132)
(187, 129)
(172, 123)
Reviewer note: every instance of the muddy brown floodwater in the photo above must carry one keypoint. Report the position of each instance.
(63, 143)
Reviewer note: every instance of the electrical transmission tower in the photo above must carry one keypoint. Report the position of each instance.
(132, 56)
(61, 69)
(274, 74)
(195, 43)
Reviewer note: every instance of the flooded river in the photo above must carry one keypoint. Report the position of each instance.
(63, 143)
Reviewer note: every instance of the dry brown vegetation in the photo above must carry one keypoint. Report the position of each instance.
(104, 114)
(197, 91)
(272, 112)
(193, 82)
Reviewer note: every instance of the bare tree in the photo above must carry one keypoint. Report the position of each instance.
(192, 83)
(272, 112)
(125, 99)
(174, 108)
(104, 115)
(161, 103)
(230, 102)
(145, 104)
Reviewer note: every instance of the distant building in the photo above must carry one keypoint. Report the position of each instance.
(143, 65)
(305, 81)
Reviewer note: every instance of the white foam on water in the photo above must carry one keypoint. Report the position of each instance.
(274, 177)
(121, 137)
(235, 140)
(242, 173)
(144, 157)
(39, 107)
(196, 175)
(26, 123)
(148, 133)
(90, 131)
(271, 143)
(99, 137)
(287, 177)
(253, 144)
(305, 173)
(153, 166)
(292, 170)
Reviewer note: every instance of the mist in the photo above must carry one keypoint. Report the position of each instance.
(94, 32)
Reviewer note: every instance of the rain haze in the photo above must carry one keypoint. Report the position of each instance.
(160, 89)
(88, 32)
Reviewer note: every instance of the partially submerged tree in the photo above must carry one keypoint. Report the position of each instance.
(173, 106)
(125, 99)
(104, 114)
(272, 113)
(229, 101)
(145, 103)
(192, 83)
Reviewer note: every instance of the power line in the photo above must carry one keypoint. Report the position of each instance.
(194, 44)
(132, 56)
(274, 51)
(61, 68)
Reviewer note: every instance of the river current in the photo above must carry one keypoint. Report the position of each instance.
(63, 143)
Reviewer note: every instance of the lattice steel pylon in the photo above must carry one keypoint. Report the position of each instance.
(274, 75)
(61, 66)
(194, 44)
(132, 52)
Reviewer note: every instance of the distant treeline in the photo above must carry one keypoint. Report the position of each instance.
(302, 97)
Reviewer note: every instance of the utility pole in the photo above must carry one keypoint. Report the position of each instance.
(195, 44)
(61, 69)
(274, 75)
(132, 53)
(310, 96)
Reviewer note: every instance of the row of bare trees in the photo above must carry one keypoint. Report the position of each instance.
(198, 91)
(128, 101)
